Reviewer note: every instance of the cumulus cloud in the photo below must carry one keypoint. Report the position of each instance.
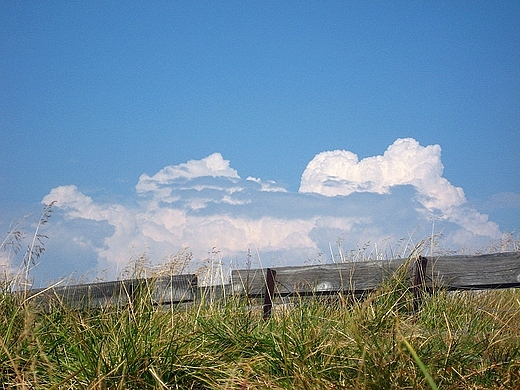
(124, 222)
(204, 204)
(201, 182)
(211, 166)
(405, 162)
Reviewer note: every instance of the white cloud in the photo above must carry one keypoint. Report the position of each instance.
(203, 204)
(124, 221)
(405, 162)
(5, 265)
(267, 186)
(194, 184)
(211, 166)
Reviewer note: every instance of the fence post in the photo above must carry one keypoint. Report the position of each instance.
(419, 283)
(269, 292)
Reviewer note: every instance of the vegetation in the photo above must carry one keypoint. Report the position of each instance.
(454, 340)
(463, 340)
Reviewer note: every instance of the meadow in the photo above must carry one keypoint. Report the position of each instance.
(455, 340)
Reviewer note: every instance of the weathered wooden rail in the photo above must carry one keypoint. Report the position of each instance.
(501, 270)
(422, 274)
(461, 272)
(162, 290)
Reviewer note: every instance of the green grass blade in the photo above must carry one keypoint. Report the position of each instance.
(421, 365)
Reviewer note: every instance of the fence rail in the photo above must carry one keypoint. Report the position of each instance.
(499, 270)
(461, 272)
(164, 290)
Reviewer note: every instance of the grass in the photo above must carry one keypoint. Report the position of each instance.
(455, 340)
(463, 340)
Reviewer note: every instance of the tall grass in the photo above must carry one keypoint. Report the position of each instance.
(462, 340)
(455, 340)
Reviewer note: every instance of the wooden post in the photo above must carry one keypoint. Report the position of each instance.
(419, 282)
(269, 292)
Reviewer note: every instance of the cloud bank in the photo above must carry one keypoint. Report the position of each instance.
(204, 205)
(405, 162)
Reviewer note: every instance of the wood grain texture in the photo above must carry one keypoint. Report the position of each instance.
(465, 272)
(163, 290)
(501, 270)
(451, 272)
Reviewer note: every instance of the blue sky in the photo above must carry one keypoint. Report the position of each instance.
(172, 124)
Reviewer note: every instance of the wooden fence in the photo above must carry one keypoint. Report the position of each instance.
(461, 272)
(500, 270)
(163, 290)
